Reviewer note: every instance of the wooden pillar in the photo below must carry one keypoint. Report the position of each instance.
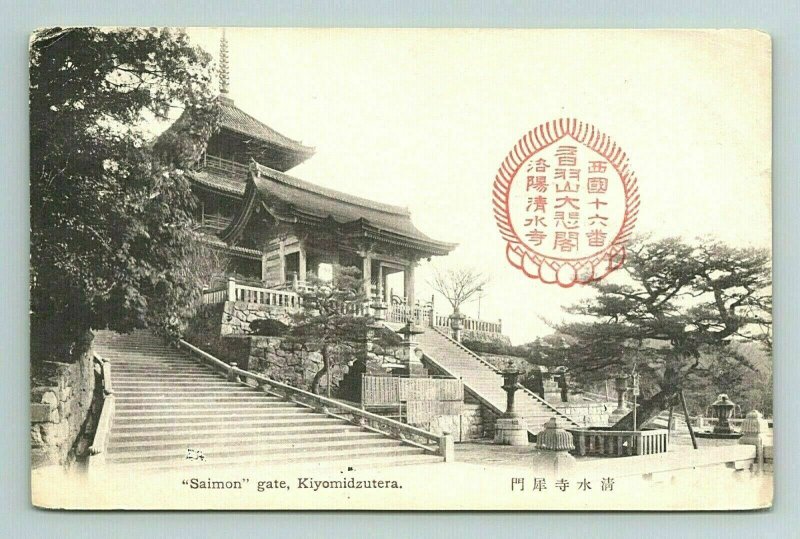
(301, 268)
(408, 283)
(282, 260)
(385, 276)
(264, 267)
(366, 274)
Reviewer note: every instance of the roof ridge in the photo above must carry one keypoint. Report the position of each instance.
(331, 193)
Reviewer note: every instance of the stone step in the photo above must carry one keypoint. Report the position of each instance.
(253, 446)
(312, 425)
(134, 442)
(167, 378)
(169, 399)
(205, 411)
(357, 462)
(128, 403)
(287, 455)
(180, 392)
(200, 416)
(128, 425)
(150, 384)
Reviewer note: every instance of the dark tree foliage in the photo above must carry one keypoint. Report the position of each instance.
(111, 226)
(333, 320)
(676, 305)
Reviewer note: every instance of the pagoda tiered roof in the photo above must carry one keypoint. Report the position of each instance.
(235, 119)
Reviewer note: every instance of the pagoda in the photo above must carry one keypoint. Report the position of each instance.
(276, 227)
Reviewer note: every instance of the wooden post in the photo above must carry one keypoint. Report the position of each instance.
(447, 447)
(669, 422)
(688, 420)
(232, 375)
(408, 283)
(301, 267)
(366, 274)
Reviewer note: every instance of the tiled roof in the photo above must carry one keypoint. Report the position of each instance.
(235, 119)
(227, 182)
(312, 200)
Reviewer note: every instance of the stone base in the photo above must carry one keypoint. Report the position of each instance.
(510, 431)
(553, 463)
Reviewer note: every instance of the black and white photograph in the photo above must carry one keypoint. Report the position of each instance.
(400, 269)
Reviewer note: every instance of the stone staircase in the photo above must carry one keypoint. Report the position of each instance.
(483, 380)
(167, 403)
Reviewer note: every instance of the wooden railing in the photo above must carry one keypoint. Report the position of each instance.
(215, 222)
(234, 291)
(225, 166)
(441, 445)
(619, 443)
(97, 451)
(424, 315)
(377, 389)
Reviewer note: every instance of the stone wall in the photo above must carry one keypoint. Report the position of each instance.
(589, 414)
(485, 336)
(61, 397)
(237, 315)
(469, 425)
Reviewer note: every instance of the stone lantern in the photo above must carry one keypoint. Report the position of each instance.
(510, 429)
(410, 357)
(457, 324)
(620, 386)
(754, 431)
(723, 411)
(378, 310)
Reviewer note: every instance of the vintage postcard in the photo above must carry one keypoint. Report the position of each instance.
(394, 269)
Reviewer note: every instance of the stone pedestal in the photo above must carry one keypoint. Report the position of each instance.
(510, 431)
(754, 429)
(555, 443)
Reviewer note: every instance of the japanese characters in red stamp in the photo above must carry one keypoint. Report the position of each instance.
(565, 200)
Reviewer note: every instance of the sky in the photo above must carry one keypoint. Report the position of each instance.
(423, 119)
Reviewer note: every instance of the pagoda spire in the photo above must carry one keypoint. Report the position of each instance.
(224, 76)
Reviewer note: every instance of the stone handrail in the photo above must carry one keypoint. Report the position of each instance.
(522, 388)
(619, 443)
(108, 408)
(234, 291)
(428, 441)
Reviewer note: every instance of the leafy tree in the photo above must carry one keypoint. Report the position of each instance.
(332, 320)
(111, 225)
(676, 305)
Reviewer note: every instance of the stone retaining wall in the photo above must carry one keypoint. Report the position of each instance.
(61, 396)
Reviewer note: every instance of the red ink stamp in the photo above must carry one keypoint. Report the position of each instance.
(565, 201)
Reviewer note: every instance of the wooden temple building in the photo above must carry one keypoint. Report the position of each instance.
(276, 227)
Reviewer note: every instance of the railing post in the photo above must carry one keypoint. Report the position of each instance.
(231, 289)
(447, 447)
(232, 376)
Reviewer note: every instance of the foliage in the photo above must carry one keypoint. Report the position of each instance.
(677, 305)
(458, 285)
(331, 320)
(111, 225)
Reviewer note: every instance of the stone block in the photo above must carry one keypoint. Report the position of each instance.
(510, 431)
(50, 399)
(40, 412)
